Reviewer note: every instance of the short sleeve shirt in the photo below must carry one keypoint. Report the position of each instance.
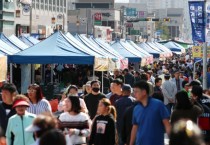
(149, 120)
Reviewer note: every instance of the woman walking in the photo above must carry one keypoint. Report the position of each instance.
(74, 122)
(16, 134)
(104, 128)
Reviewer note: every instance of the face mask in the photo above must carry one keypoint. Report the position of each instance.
(95, 90)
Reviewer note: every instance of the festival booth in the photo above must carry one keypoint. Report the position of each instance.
(149, 56)
(6, 49)
(162, 47)
(10, 43)
(32, 40)
(124, 51)
(18, 42)
(101, 62)
(56, 49)
(26, 41)
(175, 48)
(3, 67)
(109, 49)
(113, 61)
(134, 51)
(163, 54)
(155, 53)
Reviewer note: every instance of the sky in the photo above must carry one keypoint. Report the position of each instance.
(121, 1)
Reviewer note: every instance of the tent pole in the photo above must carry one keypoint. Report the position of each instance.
(33, 73)
(102, 81)
(93, 74)
(11, 77)
(52, 73)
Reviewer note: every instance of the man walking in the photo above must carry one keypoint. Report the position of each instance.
(169, 91)
(150, 118)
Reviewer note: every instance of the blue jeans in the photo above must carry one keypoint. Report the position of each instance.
(169, 106)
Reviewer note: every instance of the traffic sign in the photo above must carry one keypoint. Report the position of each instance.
(98, 23)
(134, 32)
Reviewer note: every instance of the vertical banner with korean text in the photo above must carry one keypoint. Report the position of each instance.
(196, 10)
(207, 21)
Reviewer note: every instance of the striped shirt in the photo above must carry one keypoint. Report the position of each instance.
(42, 106)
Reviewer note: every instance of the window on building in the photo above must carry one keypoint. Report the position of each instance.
(83, 5)
(46, 5)
(100, 5)
(50, 5)
(33, 4)
(111, 24)
(64, 3)
(54, 3)
(42, 4)
(37, 4)
(58, 4)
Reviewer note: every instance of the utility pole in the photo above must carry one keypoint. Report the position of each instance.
(205, 54)
(30, 27)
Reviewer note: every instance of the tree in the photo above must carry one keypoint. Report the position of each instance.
(164, 28)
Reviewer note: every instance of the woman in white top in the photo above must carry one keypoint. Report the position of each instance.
(72, 91)
(75, 123)
(38, 104)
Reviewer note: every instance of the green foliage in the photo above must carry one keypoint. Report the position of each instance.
(164, 28)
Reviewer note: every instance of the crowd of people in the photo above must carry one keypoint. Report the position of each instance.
(139, 108)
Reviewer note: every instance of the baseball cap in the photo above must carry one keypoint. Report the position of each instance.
(126, 87)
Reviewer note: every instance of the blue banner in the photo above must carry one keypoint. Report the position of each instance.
(196, 9)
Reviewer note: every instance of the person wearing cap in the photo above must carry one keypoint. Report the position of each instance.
(178, 81)
(169, 91)
(121, 105)
(16, 133)
(41, 124)
(6, 111)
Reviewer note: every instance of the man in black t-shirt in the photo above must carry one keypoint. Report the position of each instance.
(92, 99)
(6, 110)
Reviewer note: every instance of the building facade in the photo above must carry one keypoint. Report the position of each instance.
(47, 16)
(103, 4)
(83, 21)
(7, 17)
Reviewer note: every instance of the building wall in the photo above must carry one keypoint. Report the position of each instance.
(42, 14)
(7, 17)
(81, 21)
